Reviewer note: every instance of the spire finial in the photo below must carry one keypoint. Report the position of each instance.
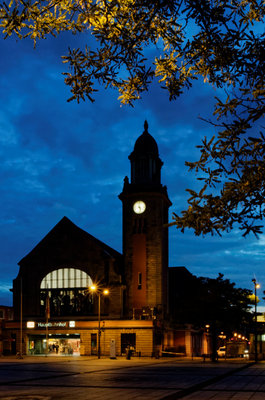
(145, 126)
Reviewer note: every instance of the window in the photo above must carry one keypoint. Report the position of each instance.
(139, 280)
(93, 344)
(139, 225)
(66, 278)
(128, 340)
(67, 291)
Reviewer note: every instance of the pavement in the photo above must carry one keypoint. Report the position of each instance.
(82, 378)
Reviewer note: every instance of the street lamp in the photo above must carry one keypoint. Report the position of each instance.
(99, 292)
(21, 322)
(256, 286)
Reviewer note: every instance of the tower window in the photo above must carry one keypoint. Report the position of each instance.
(139, 280)
(139, 225)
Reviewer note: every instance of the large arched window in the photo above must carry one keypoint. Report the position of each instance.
(65, 278)
(68, 292)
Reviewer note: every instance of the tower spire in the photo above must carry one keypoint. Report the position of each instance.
(145, 162)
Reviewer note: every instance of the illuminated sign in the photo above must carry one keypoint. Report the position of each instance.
(52, 324)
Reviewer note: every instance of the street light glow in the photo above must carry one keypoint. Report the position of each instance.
(256, 286)
(99, 291)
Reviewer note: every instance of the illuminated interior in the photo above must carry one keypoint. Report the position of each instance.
(68, 292)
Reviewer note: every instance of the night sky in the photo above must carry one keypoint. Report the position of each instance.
(67, 159)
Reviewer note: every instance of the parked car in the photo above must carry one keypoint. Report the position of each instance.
(246, 354)
(221, 352)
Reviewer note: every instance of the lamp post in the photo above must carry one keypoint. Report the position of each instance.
(256, 286)
(21, 322)
(99, 292)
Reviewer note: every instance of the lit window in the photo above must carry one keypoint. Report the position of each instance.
(68, 293)
(66, 278)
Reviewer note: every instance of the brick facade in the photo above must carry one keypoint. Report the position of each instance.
(146, 233)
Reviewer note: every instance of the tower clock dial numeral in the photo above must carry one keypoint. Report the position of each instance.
(139, 207)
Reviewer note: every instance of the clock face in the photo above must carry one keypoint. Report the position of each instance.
(139, 207)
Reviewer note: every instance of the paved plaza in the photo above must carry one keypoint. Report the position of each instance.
(82, 378)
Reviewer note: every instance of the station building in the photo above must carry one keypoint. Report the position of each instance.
(55, 312)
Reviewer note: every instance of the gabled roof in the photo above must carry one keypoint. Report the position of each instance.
(68, 237)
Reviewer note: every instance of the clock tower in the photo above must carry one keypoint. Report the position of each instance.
(145, 232)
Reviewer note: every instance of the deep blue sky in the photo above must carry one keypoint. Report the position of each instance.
(60, 158)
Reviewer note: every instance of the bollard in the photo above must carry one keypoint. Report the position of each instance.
(128, 354)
